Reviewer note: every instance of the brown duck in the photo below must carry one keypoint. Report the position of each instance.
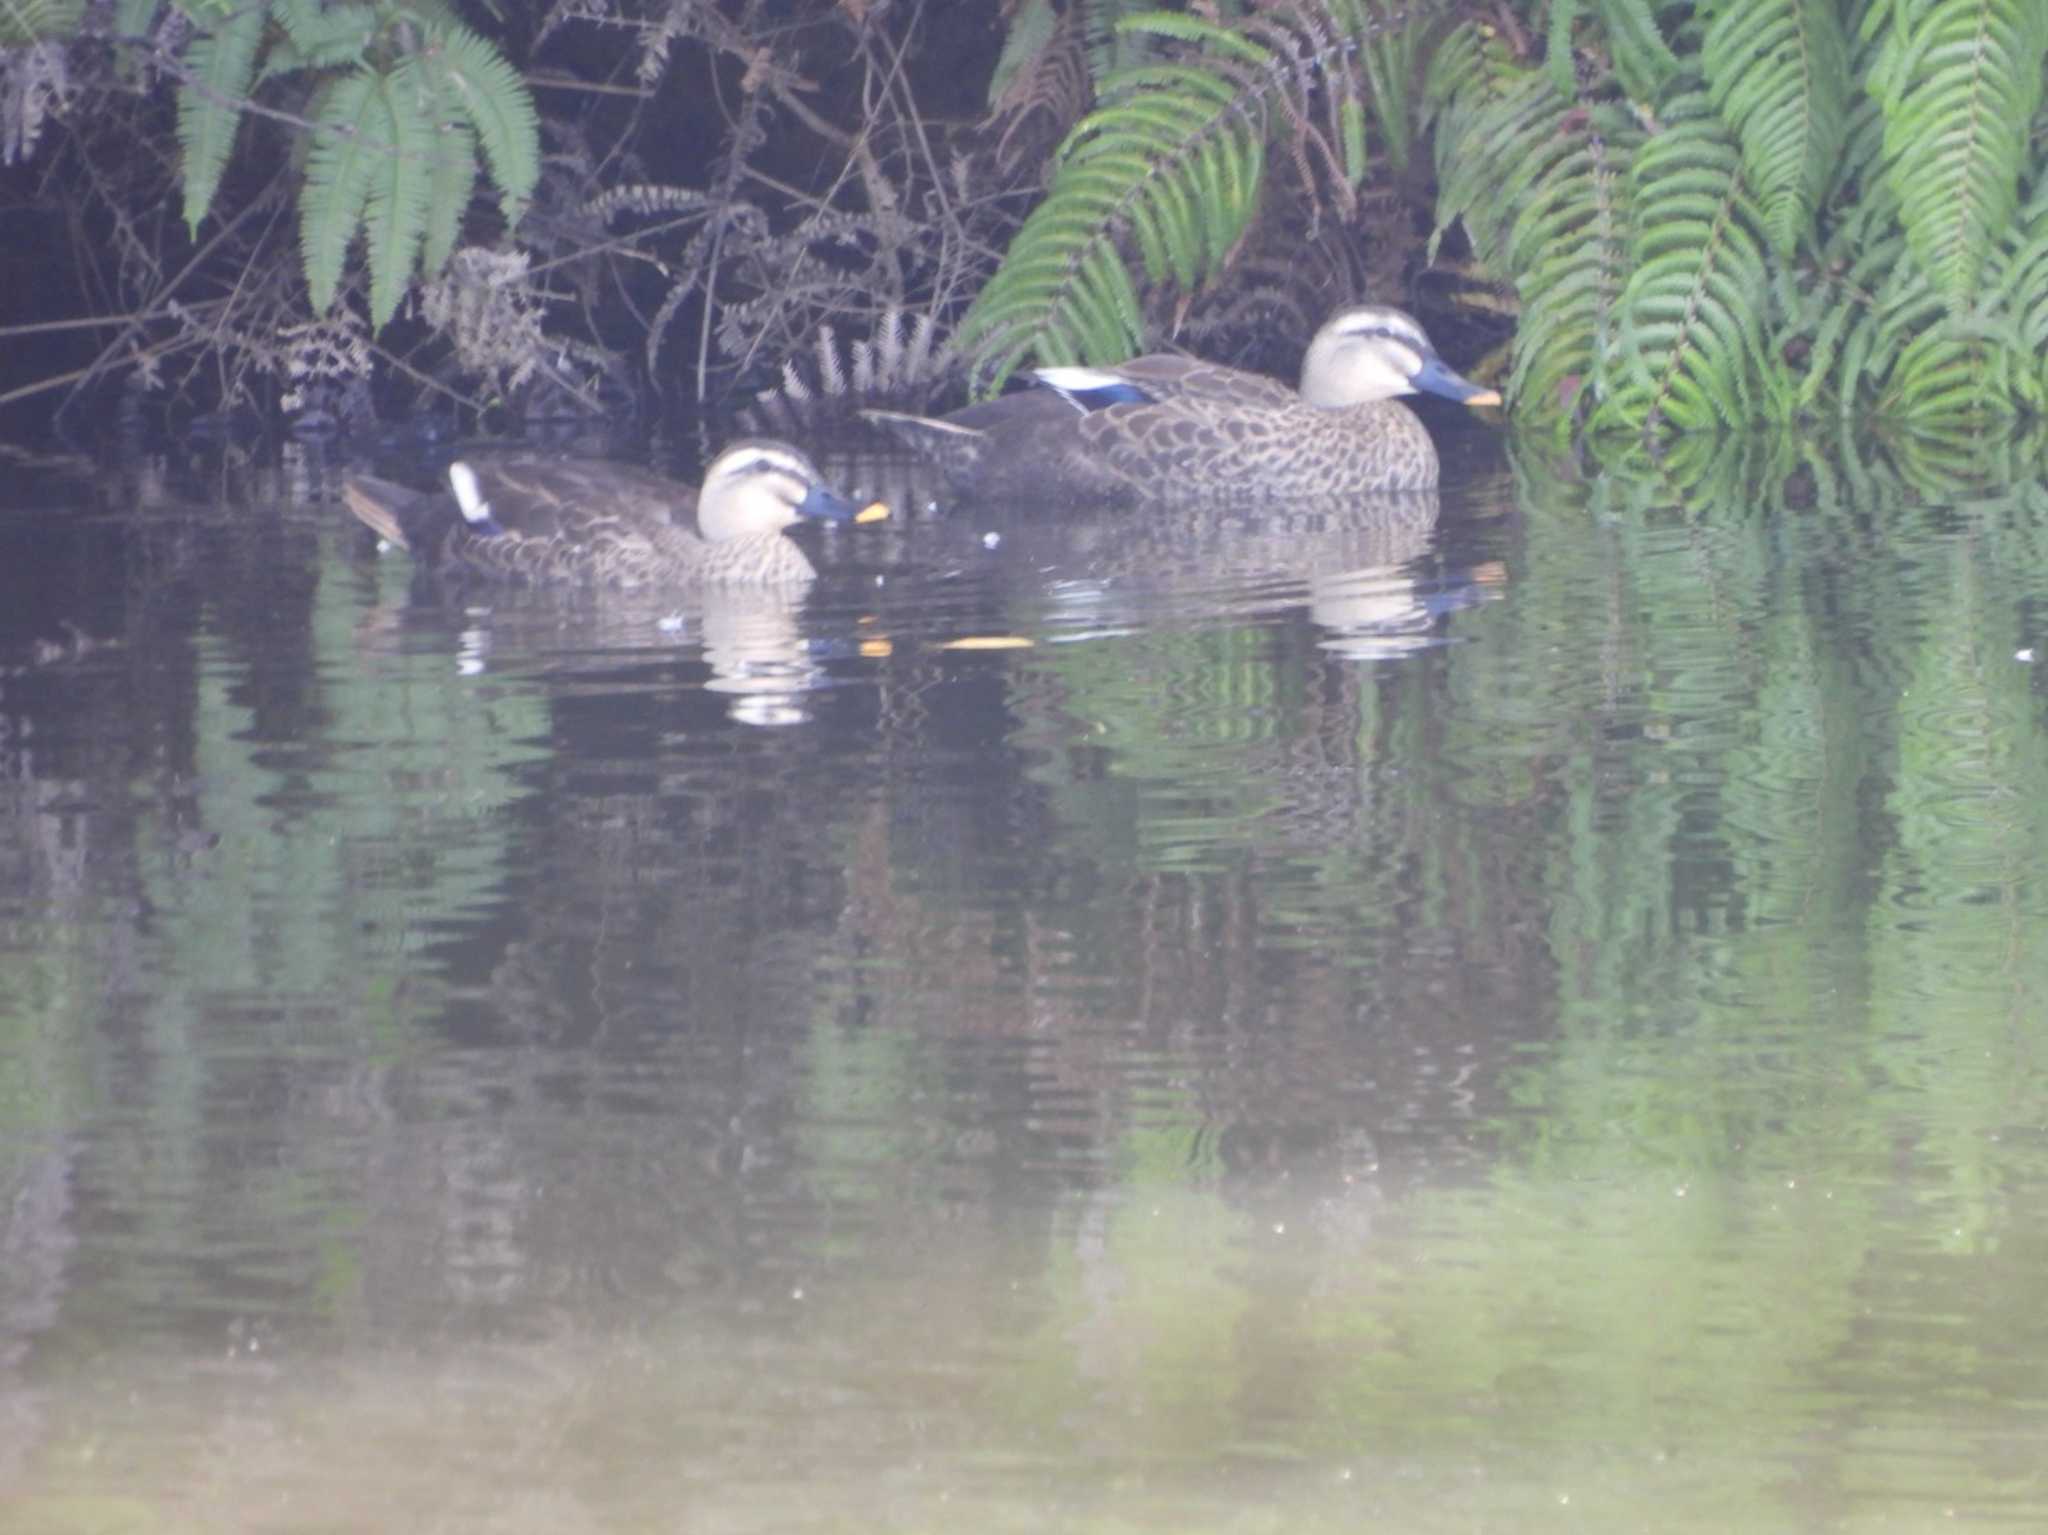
(1170, 428)
(592, 521)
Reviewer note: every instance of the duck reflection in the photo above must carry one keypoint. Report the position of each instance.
(1364, 568)
(1376, 612)
(759, 657)
(763, 656)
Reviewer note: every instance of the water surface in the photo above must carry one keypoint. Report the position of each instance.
(1518, 1013)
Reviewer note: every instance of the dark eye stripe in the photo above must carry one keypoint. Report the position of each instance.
(1388, 330)
(768, 463)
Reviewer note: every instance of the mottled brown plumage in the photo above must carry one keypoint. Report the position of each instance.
(526, 517)
(1167, 428)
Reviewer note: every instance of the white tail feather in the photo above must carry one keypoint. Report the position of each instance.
(1077, 378)
(469, 493)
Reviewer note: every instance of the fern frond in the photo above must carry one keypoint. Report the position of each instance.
(1542, 186)
(1558, 54)
(1778, 72)
(1174, 159)
(1986, 363)
(395, 215)
(1643, 60)
(1960, 81)
(1825, 306)
(1103, 37)
(1029, 38)
(1390, 56)
(493, 96)
(30, 21)
(1193, 29)
(132, 18)
(1690, 345)
(319, 37)
(222, 66)
(1492, 113)
(2022, 287)
(1468, 72)
(1569, 257)
(1961, 370)
(451, 181)
(352, 139)
(134, 27)
(1041, 79)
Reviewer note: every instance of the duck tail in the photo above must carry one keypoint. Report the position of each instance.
(375, 504)
(953, 449)
(1089, 389)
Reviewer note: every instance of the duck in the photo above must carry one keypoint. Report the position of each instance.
(569, 521)
(1164, 427)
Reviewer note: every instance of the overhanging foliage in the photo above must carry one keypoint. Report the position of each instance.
(403, 93)
(1744, 210)
(1700, 214)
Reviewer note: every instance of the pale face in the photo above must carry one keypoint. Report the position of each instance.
(1371, 352)
(762, 487)
(1363, 354)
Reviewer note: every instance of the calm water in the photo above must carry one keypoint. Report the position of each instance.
(1526, 1014)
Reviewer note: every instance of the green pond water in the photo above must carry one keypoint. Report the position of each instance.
(1526, 1011)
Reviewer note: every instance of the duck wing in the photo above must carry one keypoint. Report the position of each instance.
(1170, 376)
(1199, 447)
(1160, 378)
(527, 517)
(568, 498)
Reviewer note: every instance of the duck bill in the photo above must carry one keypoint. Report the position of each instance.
(1435, 378)
(824, 504)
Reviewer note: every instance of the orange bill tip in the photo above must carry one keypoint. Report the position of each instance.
(988, 642)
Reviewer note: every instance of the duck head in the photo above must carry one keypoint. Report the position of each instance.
(1371, 352)
(757, 486)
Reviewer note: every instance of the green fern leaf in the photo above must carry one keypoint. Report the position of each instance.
(1557, 47)
(489, 92)
(1642, 58)
(2022, 287)
(1945, 368)
(133, 18)
(395, 216)
(1689, 338)
(1390, 56)
(1478, 96)
(1892, 301)
(223, 65)
(1108, 46)
(1569, 257)
(434, 16)
(30, 21)
(1031, 30)
(1172, 162)
(320, 37)
(352, 138)
(1960, 81)
(1778, 72)
(132, 27)
(1193, 29)
(1352, 118)
(452, 179)
(1541, 185)
(1944, 372)
(1822, 307)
